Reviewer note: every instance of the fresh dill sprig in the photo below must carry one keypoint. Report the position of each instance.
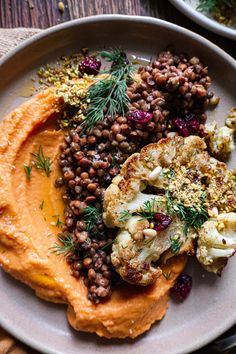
(116, 57)
(109, 95)
(28, 169)
(107, 245)
(193, 216)
(148, 209)
(66, 245)
(92, 216)
(212, 5)
(175, 244)
(42, 162)
(124, 216)
(59, 223)
(207, 5)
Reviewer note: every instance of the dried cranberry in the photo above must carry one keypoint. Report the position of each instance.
(90, 66)
(182, 287)
(193, 122)
(181, 126)
(188, 125)
(161, 221)
(139, 116)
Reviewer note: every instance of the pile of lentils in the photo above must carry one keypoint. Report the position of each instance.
(172, 94)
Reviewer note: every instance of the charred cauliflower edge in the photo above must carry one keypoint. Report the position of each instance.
(200, 187)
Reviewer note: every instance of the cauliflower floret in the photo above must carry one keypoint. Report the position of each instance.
(181, 167)
(220, 140)
(217, 242)
(128, 260)
(133, 258)
(231, 119)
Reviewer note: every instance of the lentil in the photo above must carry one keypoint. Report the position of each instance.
(171, 88)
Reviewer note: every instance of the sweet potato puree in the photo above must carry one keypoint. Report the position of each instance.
(28, 231)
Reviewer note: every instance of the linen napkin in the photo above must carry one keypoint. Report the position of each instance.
(10, 38)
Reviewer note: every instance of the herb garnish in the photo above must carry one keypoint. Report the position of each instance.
(222, 10)
(41, 205)
(92, 216)
(193, 216)
(28, 169)
(41, 162)
(211, 5)
(148, 209)
(107, 245)
(175, 244)
(109, 94)
(147, 212)
(59, 223)
(66, 245)
(124, 216)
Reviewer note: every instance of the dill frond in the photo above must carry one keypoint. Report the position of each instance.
(41, 205)
(28, 169)
(107, 245)
(66, 245)
(211, 5)
(175, 244)
(193, 216)
(59, 223)
(148, 209)
(124, 215)
(92, 216)
(41, 162)
(109, 95)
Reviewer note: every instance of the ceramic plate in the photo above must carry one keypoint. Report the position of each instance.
(210, 309)
(189, 8)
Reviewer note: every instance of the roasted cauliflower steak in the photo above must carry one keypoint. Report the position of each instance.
(161, 203)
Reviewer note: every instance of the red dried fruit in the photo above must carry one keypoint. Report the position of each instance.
(193, 124)
(181, 126)
(182, 287)
(188, 125)
(139, 116)
(161, 221)
(90, 65)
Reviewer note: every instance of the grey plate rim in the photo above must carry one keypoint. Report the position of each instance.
(203, 20)
(221, 327)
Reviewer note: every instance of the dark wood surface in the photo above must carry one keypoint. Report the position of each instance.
(45, 13)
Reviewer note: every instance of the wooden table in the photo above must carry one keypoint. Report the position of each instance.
(45, 13)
